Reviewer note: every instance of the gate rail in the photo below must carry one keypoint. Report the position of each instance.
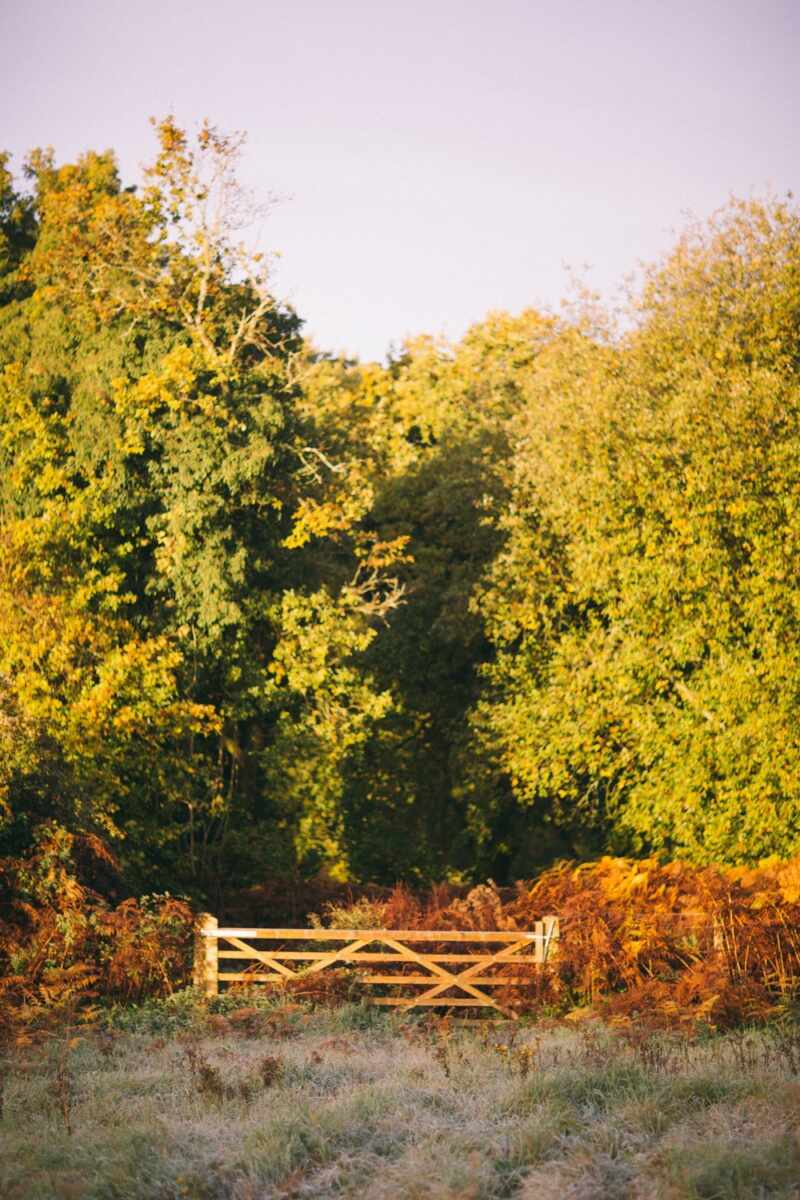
(524, 951)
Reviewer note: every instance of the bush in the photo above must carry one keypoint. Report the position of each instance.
(63, 946)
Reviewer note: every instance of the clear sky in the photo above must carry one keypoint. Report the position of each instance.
(436, 159)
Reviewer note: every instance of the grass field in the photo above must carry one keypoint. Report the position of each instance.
(282, 1101)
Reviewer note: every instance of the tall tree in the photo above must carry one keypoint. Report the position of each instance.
(643, 608)
(153, 468)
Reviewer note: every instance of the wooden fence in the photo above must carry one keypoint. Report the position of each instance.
(400, 958)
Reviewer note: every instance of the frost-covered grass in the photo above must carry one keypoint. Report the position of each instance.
(282, 1101)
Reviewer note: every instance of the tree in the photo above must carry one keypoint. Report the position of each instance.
(421, 443)
(643, 607)
(151, 456)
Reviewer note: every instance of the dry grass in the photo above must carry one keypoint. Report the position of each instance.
(273, 1101)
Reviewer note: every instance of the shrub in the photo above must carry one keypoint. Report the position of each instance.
(63, 946)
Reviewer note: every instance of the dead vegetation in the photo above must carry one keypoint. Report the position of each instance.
(681, 945)
(685, 946)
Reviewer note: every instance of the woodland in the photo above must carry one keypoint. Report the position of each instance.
(267, 613)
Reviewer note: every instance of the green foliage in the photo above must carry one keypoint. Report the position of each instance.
(643, 607)
(155, 659)
(424, 441)
(264, 611)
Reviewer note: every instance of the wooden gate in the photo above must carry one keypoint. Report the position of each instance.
(401, 958)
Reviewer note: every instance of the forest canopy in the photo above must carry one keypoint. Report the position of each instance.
(265, 611)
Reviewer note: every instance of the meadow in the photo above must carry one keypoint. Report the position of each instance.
(260, 1099)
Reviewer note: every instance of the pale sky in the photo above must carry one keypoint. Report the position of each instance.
(436, 160)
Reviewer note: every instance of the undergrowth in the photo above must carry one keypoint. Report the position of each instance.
(680, 945)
